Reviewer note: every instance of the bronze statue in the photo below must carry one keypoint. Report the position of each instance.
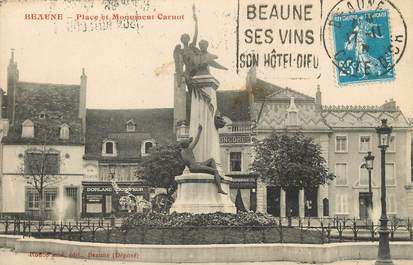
(208, 166)
(196, 60)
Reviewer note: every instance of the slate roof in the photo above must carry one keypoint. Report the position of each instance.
(59, 104)
(274, 116)
(234, 104)
(104, 124)
(364, 116)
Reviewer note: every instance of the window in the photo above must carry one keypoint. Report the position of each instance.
(390, 174)
(27, 129)
(130, 126)
(50, 198)
(363, 176)
(42, 115)
(365, 143)
(391, 203)
(33, 199)
(40, 163)
(392, 144)
(341, 143)
(235, 161)
(146, 147)
(341, 204)
(341, 173)
(64, 132)
(109, 148)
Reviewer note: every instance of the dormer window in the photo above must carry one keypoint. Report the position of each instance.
(292, 113)
(64, 132)
(146, 147)
(109, 148)
(42, 115)
(27, 129)
(130, 126)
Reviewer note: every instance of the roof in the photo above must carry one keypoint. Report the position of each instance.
(364, 116)
(104, 124)
(60, 105)
(264, 90)
(234, 104)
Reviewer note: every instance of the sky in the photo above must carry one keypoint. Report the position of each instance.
(133, 68)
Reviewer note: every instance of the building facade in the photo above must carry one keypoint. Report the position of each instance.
(116, 143)
(345, 135)
(42, 147)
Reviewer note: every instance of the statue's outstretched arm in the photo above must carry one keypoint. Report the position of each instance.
(216, 65)
(195, 141)
(194, 40)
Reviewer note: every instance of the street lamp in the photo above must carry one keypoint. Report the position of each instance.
(383, 256)
(369, 159)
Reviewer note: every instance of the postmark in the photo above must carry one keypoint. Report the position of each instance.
(359, 40)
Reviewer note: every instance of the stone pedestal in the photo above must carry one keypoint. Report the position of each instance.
(197, 193)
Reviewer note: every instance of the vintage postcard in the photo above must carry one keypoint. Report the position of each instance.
(161, 131)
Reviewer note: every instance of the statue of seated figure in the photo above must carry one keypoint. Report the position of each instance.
(209, 166)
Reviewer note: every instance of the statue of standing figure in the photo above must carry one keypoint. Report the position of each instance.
(196, 60)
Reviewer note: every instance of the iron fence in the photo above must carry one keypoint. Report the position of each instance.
(288, 230)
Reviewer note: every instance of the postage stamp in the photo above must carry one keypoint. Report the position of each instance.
(362, 46)
(364, 40)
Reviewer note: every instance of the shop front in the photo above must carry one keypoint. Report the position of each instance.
(100, 199)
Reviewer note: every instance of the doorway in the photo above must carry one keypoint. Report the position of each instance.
(71, 193)
(291, 201)
(364, 205)
(273, 201)
(310, 202)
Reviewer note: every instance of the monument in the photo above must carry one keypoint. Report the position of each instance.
(202, 188)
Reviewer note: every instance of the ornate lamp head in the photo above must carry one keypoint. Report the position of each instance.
(384, 132)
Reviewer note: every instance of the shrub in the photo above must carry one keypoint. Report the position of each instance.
(153, 219)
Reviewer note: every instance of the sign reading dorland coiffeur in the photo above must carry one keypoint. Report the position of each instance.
(110, 189)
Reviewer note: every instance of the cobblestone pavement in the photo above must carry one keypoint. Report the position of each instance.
(8, 257)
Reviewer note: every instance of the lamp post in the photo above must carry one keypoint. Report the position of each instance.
(383, 256)
(112, 172)
(369, 159)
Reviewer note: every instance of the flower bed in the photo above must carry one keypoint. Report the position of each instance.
(216, 228)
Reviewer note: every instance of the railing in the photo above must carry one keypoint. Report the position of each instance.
(241, 127)
(288, 230)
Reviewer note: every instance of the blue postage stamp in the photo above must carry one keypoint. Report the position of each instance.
(363, 47)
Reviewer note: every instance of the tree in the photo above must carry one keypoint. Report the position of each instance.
(290, 161)
(41, 165)
(41, 170)
(162, 165)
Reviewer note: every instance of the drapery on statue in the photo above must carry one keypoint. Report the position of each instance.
(208, 166)
(196, 60)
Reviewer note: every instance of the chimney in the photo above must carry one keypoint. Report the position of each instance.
(1, 103)
(318, 104)
(249, 84)
(251, 79)
(82, 100)
(12, 79)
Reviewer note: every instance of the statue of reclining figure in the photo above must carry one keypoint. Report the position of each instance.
(208, 166)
